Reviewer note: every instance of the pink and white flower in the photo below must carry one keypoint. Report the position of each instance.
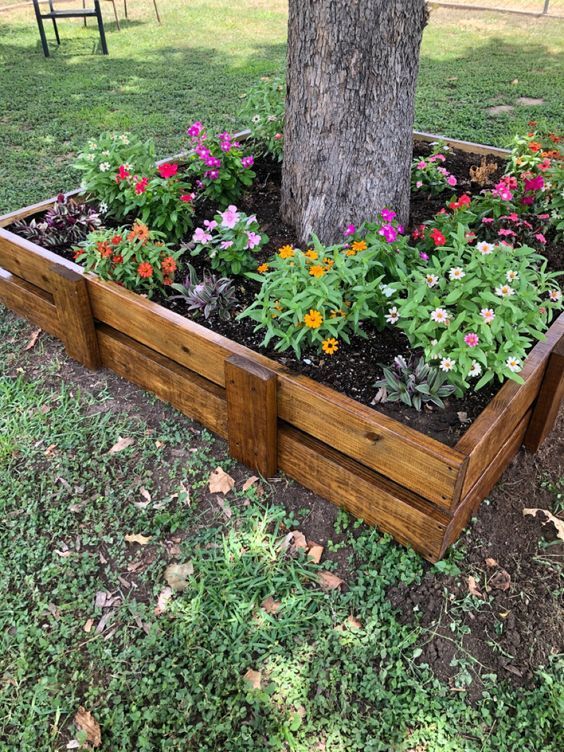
(488, 315)
(514, 364)
(504, 291)
(392, 316)
(471, 339)
(554, 295)
(201, 236)
(447, 364)
(485, 248)
(456, 273)
(230, 217)
(431, 280)
(253, 239)
(440, 316)
(512, 275)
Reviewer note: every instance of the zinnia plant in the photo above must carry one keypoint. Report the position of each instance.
(135, 258)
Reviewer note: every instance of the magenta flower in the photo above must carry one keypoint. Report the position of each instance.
(451, 180)
(471, 339)
(421, 165)
(349, 230)
(212, 174)
(167, 170)
(229, 217)
(535, 184)
(487, 220)
(225, 146)
(387, 215)
(388, 232)
(527, 200)
(247, 162)
(424, 256)
(201, 236)
(202, 151)
(253, 239)
(540, 237)
(195, 129)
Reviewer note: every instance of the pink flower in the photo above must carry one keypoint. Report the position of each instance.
(253, 239)
(229, 217)
(540, 237)
(418, 184)
(212, 174)
(471, 339)
(440, 157)
(187, 197)
(201, 236)
(278, 136)
(123, 174)
(543, 216)
(535, 184)
(507, 233)
(247, 162)
(141, 186)
(225, 146)
(167, 170)
(451, 180)
(225, 244)
(487, 220)
(388, 232)
(527, 200)
(195, 129)
(349, 230)
(202, 151)
(210, 224)
(387, 215)
(421, 165)
(424, 256)
(544, 165)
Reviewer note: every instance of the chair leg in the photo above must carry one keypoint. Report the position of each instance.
(84, 6)
(116, 15)
(58, 38)
(41, 28)
(125, 8)
(157, 11)
(101, 27)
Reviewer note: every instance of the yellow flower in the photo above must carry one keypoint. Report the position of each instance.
(359, 245)
(286, 251)
(262, 268)
(350, 252)
(311, 254)
(330, 346)
(313, 319)
(316, 271)
(328, 262)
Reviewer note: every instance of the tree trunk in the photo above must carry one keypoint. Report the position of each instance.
(352, 70)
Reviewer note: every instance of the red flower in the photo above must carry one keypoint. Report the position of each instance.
(167, 280)
(168, 170)
(123, 174)
(187, 197)
(145, 270)
(464, 200)
(554, 138)
(116, 240)
(438, 237)
(141, 186)
(76, 253)
(117, 259)
(104, 249)
(418, 232)
(534, 146)
(168, 265)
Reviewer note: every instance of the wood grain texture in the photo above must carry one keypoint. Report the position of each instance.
(70, 296)
(29, 261)
(496, 424)
(485, 483)
(252, 414)
(30, 302)
(547, 405)
(192, 395)
(466, 146)
(395, 510)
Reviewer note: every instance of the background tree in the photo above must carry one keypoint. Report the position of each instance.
(352, 71)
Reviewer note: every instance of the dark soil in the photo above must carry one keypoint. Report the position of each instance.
(357, 366)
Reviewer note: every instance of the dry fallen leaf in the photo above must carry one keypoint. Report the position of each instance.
(142, 540)
(85, 722)
(225, 508)
(33, 339)
(329, 581)
(558, 524)
(162, 602)
(473, 587)
(220, 481)
(315, 552)
(353, 622)
(121, 444)
(270, 605)
(88, 625)
(145, 494)
(50, 451)
(491, 562)
(177, 575)
(253, 678)
(249, 482)
(501, 580)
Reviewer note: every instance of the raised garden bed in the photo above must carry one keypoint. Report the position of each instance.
(414, 487)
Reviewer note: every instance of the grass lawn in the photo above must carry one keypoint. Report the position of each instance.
(248, 653)
(159, 78)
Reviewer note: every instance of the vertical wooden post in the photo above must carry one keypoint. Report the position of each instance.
(252, 414)
(70, 295)
(545, 409)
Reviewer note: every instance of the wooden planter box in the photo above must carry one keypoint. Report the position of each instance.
(417, 489)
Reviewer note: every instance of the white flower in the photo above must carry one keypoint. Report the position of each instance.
(256, 119)
(128, 167)
(440, 315)
(511, 275)
(475, 370)
(485, 248)
(124, 139)
(106, 153)
(456, 273)
(488, 315)
(387, 290)
(272, 118)
(554, 295)
(92, 145)
(431, 280)
(447, 364)
(104, 166)
(504, 291)
(90, 157)
(513, 364)
(103, 208)
(392, 316)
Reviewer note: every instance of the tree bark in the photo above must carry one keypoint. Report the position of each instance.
(352, 70)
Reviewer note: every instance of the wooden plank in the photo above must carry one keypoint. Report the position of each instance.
(195, 397)
(30, 302)
(30, 262)
(252, 415)
(70, 296)
(39, 208)
(496, 423)
(418, 462)
(466, 146)
(485, 483)
(410, 519)
(545, 410)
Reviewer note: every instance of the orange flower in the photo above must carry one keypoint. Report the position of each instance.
(139, 231)
(116, 240)
(359, 245)
(316, 271)
(311, 254)
(286, 251)
(167, 280)
(350, 252)
(117, 259)
(145, 270)
(168, 266)
(262, 268)
(104, 248)
(313, 319)
(328, 262)
(535, 146)
(330, 346)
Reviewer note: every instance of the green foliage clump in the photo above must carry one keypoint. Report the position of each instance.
(263, 114)
(414, 383)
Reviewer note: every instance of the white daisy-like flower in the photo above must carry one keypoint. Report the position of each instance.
(90, 157)
(128, 167)
(439, 315)
(124, 139)
(554, 295)
(504, 291)
(104, 166)
(256, 119)
(92, 145)
(511, 275)
(456, 273)
(103, 207)
(514, 364)
(106, 153)
(475, 370)
(392, 316)
(485, 248)
(487, 314)
(387, 290)
(272, 118)
(431, 280)
(447, 364)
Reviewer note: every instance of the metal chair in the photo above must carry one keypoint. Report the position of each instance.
(154, 5)
(113, 2)
(53, 15)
